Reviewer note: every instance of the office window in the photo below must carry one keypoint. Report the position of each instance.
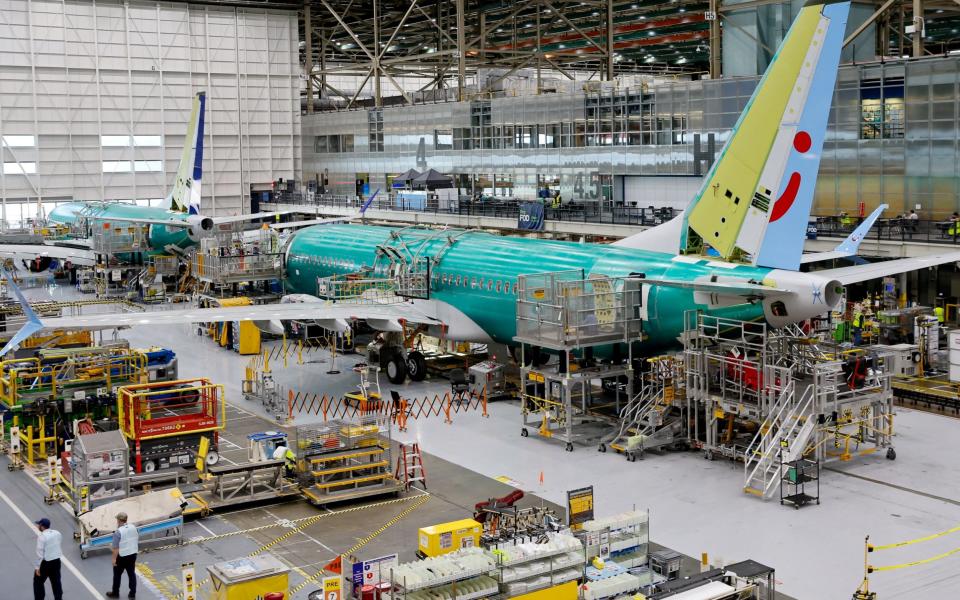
(443, 139)
(320, 144)
(19, 168)
(116, 166)
(375, 130)
(148, 165)
(881, 109)
(115, 140)
(19, 141)
(147, 141)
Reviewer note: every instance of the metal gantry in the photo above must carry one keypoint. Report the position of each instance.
(442, 44)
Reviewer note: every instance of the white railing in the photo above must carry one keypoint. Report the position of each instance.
(791, 422)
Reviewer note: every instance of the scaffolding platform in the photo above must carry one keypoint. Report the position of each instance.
(112, 240)
(567, 310)
(771, 397)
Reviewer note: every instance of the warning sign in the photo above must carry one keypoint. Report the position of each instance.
(579, 506)
(332, 588)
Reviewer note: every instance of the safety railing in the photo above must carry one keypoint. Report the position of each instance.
(169, 408)
(581, 211)
(222, 270)
(119, 240)
(565, 310)
(357, 290)
(24, 380)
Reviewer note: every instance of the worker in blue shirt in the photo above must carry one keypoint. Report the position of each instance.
(47, 565)
(126, 542)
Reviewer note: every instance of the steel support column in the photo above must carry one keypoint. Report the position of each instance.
(461, 52)
(715, 39)
(917, 28)
(377, 96)
(308, 53)
(608, 31)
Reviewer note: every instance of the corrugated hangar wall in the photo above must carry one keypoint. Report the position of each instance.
(95, 97)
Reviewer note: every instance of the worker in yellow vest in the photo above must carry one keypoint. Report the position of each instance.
(858, 322)
(941, 315)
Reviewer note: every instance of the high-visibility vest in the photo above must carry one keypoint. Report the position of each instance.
(938, 311)
(129, 540)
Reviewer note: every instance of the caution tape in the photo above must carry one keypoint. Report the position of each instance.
(200, 540)
(873, 569)
(147, 573)
(916, 541)
(421, 500)
(307, 522)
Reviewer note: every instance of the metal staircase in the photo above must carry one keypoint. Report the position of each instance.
(788, 430)
(641, 420)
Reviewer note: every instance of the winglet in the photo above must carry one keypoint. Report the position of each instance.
(366, 205)
(852, 243)
(33, 323)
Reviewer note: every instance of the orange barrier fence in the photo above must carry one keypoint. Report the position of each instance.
(399, 411)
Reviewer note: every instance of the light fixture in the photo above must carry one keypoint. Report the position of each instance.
(649, 59)
(651, 33)
(682, 60)
(682, 9)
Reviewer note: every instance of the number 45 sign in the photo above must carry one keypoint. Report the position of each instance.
(332, 587)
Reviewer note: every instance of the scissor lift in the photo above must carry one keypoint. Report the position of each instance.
(165, 421)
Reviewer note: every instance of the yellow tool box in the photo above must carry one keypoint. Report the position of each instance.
(564, 591)
(436, 540)
(248, 578)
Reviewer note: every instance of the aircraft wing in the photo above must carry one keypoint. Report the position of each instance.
(77, 254)
(851, 244)
(725, 287)
(858, 273)
(318, 311)
(309, 222)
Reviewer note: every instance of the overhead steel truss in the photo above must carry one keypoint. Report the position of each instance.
(447, 41)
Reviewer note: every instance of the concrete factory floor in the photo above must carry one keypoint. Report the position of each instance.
(696, 505)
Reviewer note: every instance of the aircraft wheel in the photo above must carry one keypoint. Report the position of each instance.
(416, 366)
(396, 368)
(524, 432)
(569, 447)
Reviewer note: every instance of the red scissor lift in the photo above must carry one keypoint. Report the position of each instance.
(165, 421)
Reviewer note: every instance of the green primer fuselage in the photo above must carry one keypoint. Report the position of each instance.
(495, 261)
(98, 213)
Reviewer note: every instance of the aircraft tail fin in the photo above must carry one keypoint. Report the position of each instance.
(33, 323)
(755, 202)
(185, 196)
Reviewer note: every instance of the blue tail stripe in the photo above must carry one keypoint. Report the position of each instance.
(198, 157)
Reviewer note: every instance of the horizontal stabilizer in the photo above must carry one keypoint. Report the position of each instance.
(725, 288)
(858, 273)
(849, 246)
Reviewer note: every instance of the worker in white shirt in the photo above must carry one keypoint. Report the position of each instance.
(288, 457)
(47, 565)
(126, 542)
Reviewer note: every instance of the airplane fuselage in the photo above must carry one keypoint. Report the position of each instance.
(98, 214)
(477, 274)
